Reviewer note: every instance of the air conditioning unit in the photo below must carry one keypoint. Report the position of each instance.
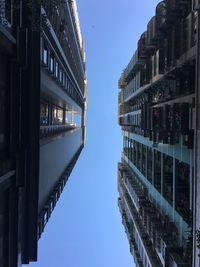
(161, 15)
(142, 46)
(151, 31)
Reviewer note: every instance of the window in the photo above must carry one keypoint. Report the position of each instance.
(168, 178)
(69, 88)
(63, 81)
(73, 91)
(51, 63)
(45, 218)
(157, 170)
(139, 156)
(44, 54)
(44, 111)
(66, 84)
(144, 151)
(149, 163)
(56, 69)
(144, 260)
(51, 206)
(57, 115)
(182, 176)
(61, 76)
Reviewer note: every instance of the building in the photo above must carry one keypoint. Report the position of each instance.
(43, 98)
(156, 175)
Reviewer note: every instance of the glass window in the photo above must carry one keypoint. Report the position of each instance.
(182, 201)
(157, 170)
(44, 112)
(66, 83)
(56, 69)
(51, 206)
(168, 178)
(63, 81)
(57, 115)
(45, 54)
(144, 159)
(45, 218)
(131, 151)
(144, 260)
(72, 88)
(51, 63)
(134, 152)
(61, 76)
(149, 163)
(139, 156)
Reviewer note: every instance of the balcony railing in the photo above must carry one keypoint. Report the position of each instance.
(134, 65)
(52, 130)
(148, 247)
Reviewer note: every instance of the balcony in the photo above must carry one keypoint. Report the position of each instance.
(152, 40)
(161, 16)
(166, 123)
(136, 255)
(142, 45)
(120, 98)
(175, 255)
(134, 66)
(132, 129)
(150, 251)
(154, 227)
(135, 190)
(122, 82)
(154, 223)
(53, 130)
(177, 9)
(132, 86)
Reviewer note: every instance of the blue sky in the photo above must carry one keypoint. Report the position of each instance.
(85, 229)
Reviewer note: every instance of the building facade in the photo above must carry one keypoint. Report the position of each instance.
(156, 175)
(43, 100)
